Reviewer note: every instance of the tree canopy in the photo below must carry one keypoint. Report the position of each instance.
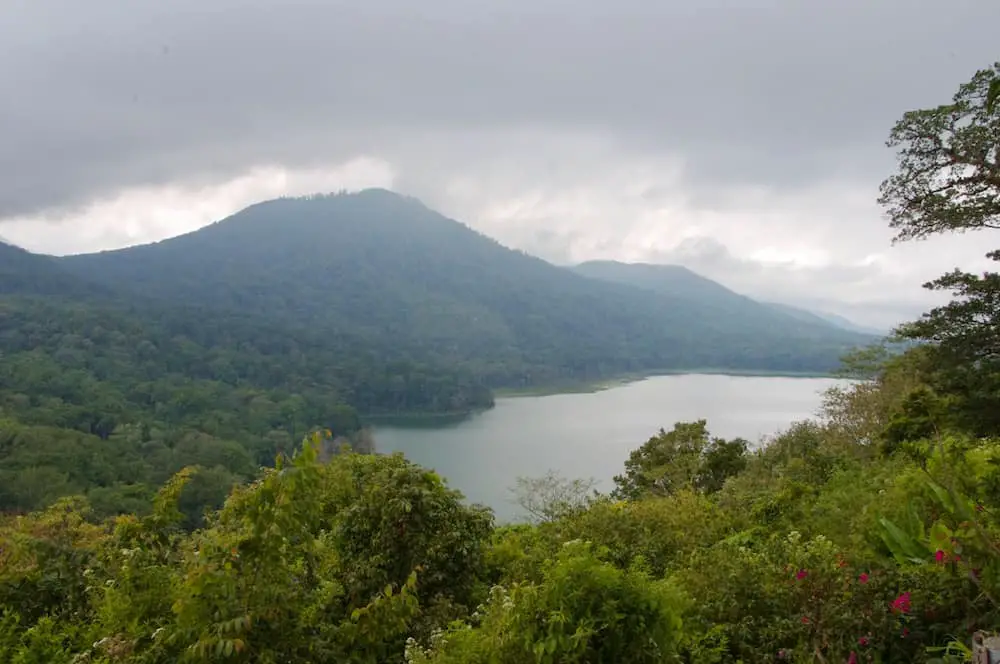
(948, 181)
(948, 176)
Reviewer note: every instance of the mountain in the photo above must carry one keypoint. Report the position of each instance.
(825, 317)
(25, 273)
(717, 301)
(107, 393)
(672, 280)
(87, 354)
(385, 268)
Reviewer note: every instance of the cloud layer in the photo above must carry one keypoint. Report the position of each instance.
(744, 139)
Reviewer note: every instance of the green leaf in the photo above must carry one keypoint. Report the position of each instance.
(903, 547)
(940, 537)
(993, 95)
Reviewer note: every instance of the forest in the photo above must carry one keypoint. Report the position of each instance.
(378, 267)
(110, 402)
(870, 534)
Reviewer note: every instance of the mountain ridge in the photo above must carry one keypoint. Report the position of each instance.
(682, 282)
(388, 267)
(825, 316)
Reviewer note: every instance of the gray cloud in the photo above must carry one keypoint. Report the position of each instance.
(104, 95)
(744, 140)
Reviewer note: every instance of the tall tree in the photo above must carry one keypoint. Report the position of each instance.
(949, 175)
(948, 180)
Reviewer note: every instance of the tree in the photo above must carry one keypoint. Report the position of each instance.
(948, 180)
(684, 457)
(665, 463)
(949, 173)
(583, 611)
(552, 496)
(392, 517)
(721, 460)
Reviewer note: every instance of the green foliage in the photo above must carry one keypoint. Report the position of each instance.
(794, 599)
(583, 610)
(947, 174)
(661, 531)
(683, 457)
(312, 562)
(811, 550)
(393, 517)
(948, 180)
(95, 400)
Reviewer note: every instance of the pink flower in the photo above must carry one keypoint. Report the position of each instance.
(863, 641)
(939, 556)
(905, 633)
(801, 575)
(902, 603)
(853, 659)
(805, 620)
(863, 577)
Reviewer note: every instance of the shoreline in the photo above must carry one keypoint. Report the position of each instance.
(591, 387)
(435, 420)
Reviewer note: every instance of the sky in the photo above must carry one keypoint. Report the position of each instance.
(743, 139)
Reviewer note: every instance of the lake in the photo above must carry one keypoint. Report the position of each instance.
(590, 435)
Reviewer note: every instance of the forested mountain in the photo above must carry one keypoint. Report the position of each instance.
(826, 317)
(389, 270)
(22, 272)
(108, 394)
(718, 303)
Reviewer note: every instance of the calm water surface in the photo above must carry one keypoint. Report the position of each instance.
(591, 435)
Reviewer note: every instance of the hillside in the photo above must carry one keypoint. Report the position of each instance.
(22, 272)
(106, 394)
(825, 317)
(389, 270)
(718, 302)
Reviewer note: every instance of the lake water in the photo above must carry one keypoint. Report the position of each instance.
(591, 435)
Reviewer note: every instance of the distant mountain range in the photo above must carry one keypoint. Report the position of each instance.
(678, 281)
(388, 280)
(826, 317)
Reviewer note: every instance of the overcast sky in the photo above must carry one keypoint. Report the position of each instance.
(743, 139)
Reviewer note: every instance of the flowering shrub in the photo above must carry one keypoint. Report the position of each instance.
(797, 599)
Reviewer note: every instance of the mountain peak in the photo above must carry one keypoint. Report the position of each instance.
(370, 195)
